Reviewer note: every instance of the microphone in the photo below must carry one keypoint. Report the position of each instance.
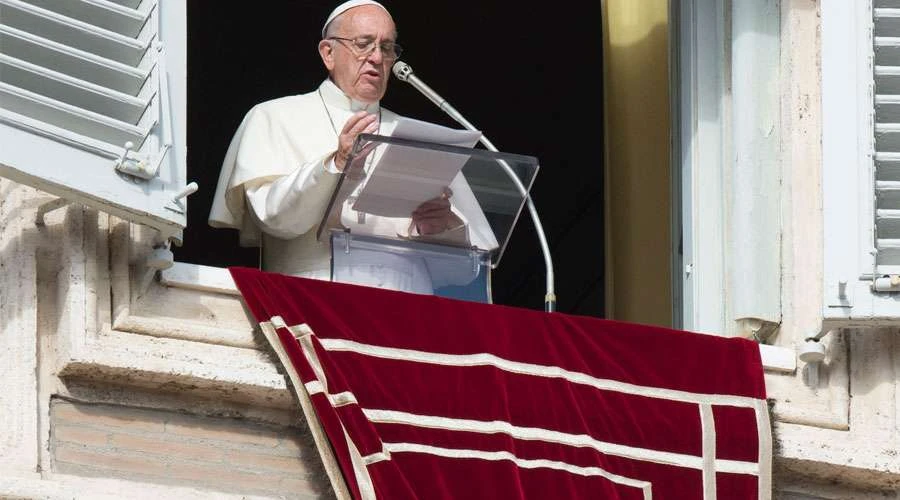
(404, 73)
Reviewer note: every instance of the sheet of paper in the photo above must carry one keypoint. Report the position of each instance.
(403, 178)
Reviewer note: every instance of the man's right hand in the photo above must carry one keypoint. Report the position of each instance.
(360, 123)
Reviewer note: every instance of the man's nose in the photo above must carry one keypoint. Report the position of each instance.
(376, 56)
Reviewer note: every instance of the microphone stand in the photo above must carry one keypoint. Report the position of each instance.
(404, 72)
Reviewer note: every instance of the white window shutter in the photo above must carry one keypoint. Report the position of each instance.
(886, 30)
(861, 162)
(80, 79)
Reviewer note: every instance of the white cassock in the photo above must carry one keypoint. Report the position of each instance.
(278, 177)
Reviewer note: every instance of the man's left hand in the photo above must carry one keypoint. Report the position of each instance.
(434, 216)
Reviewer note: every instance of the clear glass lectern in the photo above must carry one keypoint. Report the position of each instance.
(375, 241)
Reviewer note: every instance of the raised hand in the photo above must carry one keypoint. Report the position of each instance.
(360, 123)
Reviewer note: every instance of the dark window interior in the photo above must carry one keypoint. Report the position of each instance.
(530, 77)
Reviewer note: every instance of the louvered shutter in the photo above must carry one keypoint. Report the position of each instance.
(886, 33)
(80, 79)
(860, 67)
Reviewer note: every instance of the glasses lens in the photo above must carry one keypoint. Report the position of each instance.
(364, 46)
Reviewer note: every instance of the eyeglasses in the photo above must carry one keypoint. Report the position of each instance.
(363, 46)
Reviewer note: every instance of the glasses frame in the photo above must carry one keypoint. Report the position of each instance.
(363, 53)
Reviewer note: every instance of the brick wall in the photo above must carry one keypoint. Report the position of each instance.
(221, 454)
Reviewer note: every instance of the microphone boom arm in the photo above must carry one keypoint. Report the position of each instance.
(404, 72)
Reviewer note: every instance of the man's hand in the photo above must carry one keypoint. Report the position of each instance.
(360, 123)
(434, 216)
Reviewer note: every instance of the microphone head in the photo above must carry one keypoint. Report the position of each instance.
(402, 70)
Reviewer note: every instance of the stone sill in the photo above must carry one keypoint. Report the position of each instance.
(61, 486)
(218, 280)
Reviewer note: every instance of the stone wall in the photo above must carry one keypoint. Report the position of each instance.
(171, 448)
(116, 386)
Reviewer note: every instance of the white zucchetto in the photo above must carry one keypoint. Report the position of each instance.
(344, 7)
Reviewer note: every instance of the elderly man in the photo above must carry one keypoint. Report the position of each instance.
(286, 157)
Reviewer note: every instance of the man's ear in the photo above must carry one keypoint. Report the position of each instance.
(326, 51)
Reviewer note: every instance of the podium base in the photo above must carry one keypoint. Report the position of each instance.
(411, 266)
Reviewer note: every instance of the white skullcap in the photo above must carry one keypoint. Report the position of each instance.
(344, 7)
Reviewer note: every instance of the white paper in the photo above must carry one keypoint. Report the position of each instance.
(402, 178)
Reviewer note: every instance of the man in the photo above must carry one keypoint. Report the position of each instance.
(286, 157)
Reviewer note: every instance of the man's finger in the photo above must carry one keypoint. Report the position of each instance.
(353, 120)
(433, 213)
(431, 221)
(361, 124)
(430, 206)
(434, 204)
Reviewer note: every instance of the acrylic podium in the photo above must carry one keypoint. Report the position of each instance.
(370, 230)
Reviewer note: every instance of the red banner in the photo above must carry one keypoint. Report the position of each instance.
(414, 396)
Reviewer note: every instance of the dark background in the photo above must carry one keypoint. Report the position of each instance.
(529, 77)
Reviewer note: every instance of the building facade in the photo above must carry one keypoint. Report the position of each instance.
(778, 192)
(755, 214)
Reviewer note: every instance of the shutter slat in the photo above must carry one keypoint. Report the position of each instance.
(887, 108)
(888, 255)
(71, 90)
(59, 134)
(72, 32)
(887, 137)
(887, 50)
(886, 80)
(888, 214)
(887, 221)
(71, 61)
(889, 244)
(132, 4)
(109, 16)
(76, 119)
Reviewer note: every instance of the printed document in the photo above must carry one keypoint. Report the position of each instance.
(402, 177)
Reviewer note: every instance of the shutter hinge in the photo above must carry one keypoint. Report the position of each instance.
(887, 283)
(139, 165)
(881, 282)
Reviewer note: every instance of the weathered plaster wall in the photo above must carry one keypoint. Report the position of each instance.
(18, 326)
(116, 386)
(838, 436)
